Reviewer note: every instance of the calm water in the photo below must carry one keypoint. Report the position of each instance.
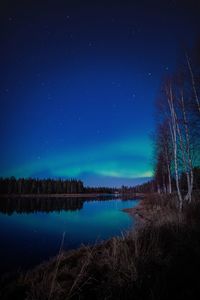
(32, 233)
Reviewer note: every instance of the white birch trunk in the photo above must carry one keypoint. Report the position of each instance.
(188, 149)
(173, 130)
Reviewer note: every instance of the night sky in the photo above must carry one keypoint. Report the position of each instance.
(79, 81)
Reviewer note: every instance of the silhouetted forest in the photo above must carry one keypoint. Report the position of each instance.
(100, 190)
(40, 186)
(48, 186)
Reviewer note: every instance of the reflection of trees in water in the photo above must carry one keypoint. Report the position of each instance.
(10, 205)
(30, 205)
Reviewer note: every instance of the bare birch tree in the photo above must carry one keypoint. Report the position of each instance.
(178, 131)
(174, 136)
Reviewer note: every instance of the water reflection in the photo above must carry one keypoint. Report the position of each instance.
(33, 227)
(9, 205)
(39, 204)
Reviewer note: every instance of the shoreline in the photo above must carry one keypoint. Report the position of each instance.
(68, 195)
(140, 213)
(52, 195)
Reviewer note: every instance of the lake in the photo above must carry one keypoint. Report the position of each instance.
(31, 229)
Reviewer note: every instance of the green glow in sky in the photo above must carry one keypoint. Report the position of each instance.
(122, 159)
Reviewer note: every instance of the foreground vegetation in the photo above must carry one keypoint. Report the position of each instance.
(158, 260)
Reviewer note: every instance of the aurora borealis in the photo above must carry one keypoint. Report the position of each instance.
(122, 159)
(78, 84)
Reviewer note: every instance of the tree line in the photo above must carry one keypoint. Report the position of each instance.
(34, 186)
(177, 136)
(40, 186)
(100, 190)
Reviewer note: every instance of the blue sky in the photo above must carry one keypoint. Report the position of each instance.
(79, 82)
